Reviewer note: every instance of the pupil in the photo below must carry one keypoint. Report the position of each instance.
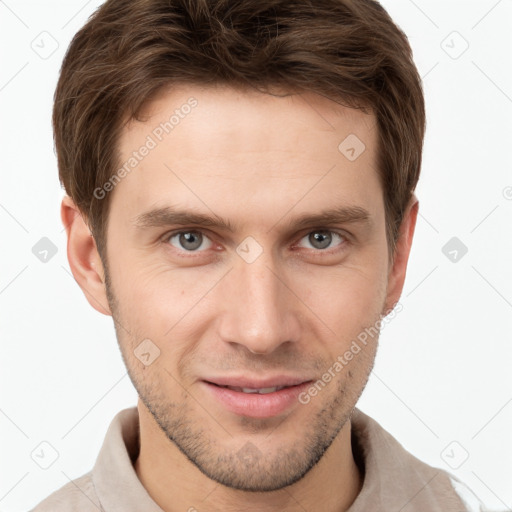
(320, 239)
(190, 240)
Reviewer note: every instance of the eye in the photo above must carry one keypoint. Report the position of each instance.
(323, 239)
(189, 241)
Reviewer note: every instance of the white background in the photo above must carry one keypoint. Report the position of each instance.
(443, 368)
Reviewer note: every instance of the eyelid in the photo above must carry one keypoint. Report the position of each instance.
(170, 234)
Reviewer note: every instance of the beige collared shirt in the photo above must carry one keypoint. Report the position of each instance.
(394, 480)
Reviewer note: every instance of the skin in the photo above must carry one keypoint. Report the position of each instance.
(258, 161)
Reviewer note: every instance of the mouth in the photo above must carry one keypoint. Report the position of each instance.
(257, 400)
(261, 391)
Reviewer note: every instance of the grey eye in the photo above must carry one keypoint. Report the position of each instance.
(189, 240)
(322, 239)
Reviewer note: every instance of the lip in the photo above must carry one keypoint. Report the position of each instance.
(255, 405)
(255, 383)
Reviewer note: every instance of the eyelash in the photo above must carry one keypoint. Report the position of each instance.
(339, 247)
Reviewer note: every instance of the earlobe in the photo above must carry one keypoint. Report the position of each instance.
(396, 277)
(84, 259)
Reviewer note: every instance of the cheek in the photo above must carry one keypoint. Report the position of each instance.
(158, 302)
(346, 298)
(155, 305)
(349, 303)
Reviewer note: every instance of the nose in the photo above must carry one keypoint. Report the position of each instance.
(259, 311)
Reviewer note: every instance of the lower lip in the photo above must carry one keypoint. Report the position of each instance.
(256, 405)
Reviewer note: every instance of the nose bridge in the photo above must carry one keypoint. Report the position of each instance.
(259, 315)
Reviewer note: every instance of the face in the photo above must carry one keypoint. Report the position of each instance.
(246, 249)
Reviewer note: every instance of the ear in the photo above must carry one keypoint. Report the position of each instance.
(396, 275)
(83, 257)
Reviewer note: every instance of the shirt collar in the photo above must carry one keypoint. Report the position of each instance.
(394, 479)
(115, 480)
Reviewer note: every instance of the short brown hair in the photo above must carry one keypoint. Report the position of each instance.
(345, 50)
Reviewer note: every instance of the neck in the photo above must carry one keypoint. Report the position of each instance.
(176, 484)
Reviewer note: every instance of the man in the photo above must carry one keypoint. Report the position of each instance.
(247, 173)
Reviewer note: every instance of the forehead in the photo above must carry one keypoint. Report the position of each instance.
(219, 148)
(246, 120)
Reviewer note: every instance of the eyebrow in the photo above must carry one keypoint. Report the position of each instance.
(169, 216)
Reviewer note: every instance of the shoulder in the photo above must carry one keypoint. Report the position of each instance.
(394, 479)
(78, 495)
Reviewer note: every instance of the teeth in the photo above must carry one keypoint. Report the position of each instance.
(250, 390)
(261, 391)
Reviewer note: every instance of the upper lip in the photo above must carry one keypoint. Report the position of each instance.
(257, 383)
